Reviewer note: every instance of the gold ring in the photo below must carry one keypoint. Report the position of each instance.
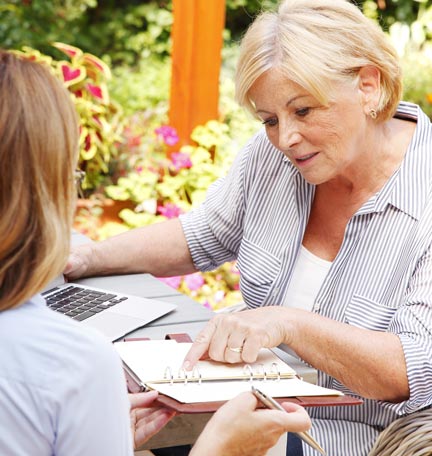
(235, 349)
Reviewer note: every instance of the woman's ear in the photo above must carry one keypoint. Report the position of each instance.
(369, 87)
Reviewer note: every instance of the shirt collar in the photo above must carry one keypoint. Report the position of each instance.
(409, 187)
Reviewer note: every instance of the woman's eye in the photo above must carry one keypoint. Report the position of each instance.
(303, 112)
(270, 122)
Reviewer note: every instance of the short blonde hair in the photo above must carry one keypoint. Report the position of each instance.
(38, 153)
(317, 44)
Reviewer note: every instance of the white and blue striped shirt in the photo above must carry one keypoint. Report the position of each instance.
(380, 280)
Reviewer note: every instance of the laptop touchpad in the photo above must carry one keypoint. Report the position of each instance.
(111, 324)
(148, 311)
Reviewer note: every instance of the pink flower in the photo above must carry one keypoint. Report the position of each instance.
(207, 305)
(194, 281)
(173, 282)
(169, 210)
(181, 160)
(167, 134)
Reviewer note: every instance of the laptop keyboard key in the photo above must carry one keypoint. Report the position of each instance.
(84, 315)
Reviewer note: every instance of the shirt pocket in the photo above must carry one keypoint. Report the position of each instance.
(258, 270)
(368, 314)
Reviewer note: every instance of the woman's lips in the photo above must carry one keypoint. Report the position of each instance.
(305, 159)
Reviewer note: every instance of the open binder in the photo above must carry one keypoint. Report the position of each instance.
(156, 364)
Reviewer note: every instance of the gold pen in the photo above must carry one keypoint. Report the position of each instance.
(269, 402)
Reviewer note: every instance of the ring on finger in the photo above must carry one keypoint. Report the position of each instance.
(235, 349)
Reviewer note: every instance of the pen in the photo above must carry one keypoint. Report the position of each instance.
(269, 402)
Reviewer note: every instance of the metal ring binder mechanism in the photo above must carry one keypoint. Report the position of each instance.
(183, 376)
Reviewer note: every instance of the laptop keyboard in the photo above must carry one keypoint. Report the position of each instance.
(81, 303)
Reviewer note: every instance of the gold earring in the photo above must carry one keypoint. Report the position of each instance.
(373, 113)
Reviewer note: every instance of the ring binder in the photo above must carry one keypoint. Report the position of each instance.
(168, 375)
(248, 368)
(142, 359)
(183, 374)
(275, 367)
(262, 372)
(196, 371)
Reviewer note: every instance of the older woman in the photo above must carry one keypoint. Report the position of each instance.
(328, 213)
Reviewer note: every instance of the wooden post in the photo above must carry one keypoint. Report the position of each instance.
(196, 60)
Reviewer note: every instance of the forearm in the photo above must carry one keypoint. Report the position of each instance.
(371, 363)
(159, 249)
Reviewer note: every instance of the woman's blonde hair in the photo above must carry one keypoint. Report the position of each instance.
(317, 44)
(38, 153)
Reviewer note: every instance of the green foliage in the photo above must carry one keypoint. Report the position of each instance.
(101, 121)
(118, 30)
(130, 32)
(37, 23)
(388, 12)
(418, 80)
(142, 87)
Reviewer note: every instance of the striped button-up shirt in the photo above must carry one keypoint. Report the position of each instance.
(380, 280)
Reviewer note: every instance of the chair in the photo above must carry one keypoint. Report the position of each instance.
(410, 435)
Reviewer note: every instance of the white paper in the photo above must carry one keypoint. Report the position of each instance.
(223, 391)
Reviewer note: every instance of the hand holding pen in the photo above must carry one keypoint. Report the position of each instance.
(272, 404)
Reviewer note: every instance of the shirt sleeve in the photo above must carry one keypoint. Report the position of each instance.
(214, 230)
(413, 325)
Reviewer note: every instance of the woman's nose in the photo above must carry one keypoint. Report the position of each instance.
(289, 136)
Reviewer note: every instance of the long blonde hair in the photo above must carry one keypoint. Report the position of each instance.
(38, 153)
(317, 44)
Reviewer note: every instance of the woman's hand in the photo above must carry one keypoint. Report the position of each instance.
(238, 337)
(146, 421)
(238, 428)
(79, 261)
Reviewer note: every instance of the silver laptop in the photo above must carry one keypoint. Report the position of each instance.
(113, 314)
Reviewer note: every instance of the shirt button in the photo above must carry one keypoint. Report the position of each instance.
(316, 307)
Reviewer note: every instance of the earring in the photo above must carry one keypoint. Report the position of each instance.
(373, 113)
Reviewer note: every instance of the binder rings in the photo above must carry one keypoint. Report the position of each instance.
(157, 365)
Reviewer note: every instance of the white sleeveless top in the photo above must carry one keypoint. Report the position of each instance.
(308, 275)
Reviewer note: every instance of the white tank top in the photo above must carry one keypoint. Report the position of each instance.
(308, 276)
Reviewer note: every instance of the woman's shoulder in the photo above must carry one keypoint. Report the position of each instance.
(36, 340)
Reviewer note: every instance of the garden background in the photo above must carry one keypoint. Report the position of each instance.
(115, 58)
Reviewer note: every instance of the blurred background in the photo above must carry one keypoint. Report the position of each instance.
(116, 57)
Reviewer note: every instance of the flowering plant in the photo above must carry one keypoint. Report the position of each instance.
(101, 120)
(163, 186)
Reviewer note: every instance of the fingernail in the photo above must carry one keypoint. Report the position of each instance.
(186, 365)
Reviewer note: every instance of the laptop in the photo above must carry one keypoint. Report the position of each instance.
(113, 314)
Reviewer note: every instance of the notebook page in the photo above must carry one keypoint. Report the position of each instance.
(149, 361)
(223, 391)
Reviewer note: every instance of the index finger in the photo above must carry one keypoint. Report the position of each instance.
(200, 346)
(142, 399)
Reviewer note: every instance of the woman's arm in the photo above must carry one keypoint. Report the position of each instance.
(159, 249)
